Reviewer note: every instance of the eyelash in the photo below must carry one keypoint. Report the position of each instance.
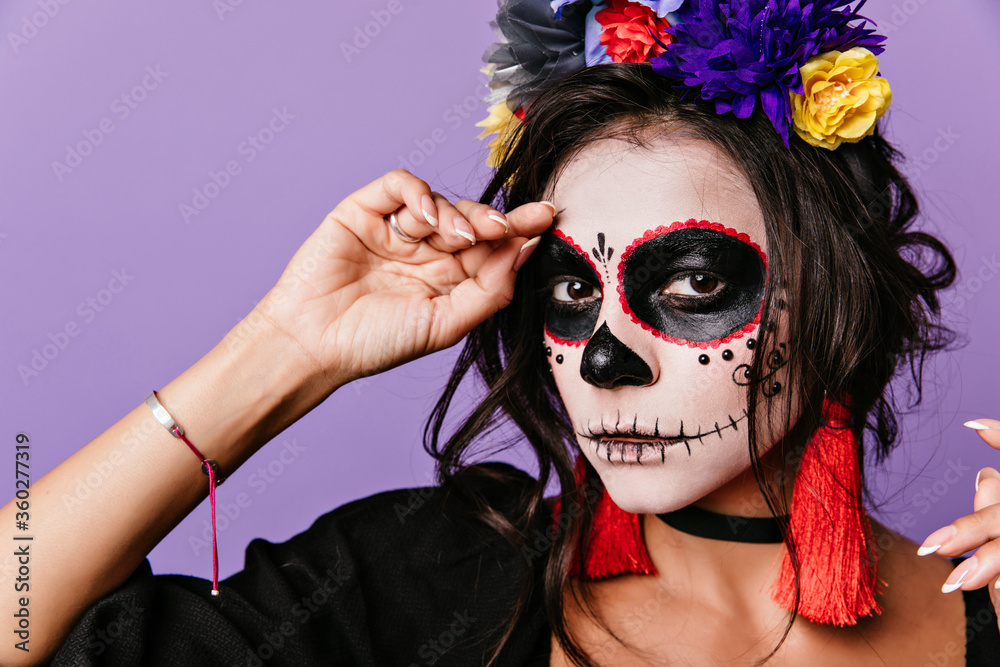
(690, 297)
(582, 304)
(568, 280)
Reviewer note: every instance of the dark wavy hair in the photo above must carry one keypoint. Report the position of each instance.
(838, 228)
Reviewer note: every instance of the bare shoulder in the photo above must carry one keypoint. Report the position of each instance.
(906, 573)
(917, 617)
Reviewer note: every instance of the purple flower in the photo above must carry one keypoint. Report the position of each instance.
(736, 52)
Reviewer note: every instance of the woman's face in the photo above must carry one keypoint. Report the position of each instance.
(655, 279)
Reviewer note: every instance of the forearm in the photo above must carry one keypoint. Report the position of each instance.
(235, 399)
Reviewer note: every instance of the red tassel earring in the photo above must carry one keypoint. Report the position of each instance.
(616, 545)
(830, 528)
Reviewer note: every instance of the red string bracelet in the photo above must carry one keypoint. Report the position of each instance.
(208, 466)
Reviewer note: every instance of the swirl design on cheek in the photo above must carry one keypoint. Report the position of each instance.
(776, 360)
(694, 283)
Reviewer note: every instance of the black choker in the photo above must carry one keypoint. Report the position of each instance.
(702, 523)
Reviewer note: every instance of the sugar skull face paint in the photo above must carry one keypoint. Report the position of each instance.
(654, 277)
(715, 288)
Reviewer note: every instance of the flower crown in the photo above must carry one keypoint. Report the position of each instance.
(804, 62)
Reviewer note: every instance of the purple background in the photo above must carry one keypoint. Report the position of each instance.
(356, 116)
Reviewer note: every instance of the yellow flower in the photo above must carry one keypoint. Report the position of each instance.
(503, 123)
(843, 98)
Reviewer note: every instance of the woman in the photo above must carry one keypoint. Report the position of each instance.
(762, 295)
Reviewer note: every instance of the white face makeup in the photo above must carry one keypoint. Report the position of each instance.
(655, 278)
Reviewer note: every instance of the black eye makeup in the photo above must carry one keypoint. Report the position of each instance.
(693, 282)
(570, 287)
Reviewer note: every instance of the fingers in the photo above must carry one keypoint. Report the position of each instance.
(465, 223)
(988, 430)
(979, 530)
(528, 220)
(397, 188)
(485, 223)
(964, 534)
(478, 297)
(420, 213)
(973, 530)
(987, 489)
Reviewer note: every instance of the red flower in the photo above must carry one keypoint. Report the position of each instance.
(626, 33)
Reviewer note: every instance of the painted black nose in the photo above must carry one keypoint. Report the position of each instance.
(609, 363)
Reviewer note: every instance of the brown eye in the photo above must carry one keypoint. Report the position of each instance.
(694, 284)
(572, 290)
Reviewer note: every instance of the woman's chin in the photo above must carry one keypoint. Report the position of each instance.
(635, 499)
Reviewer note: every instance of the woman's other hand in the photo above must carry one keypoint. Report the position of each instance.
(979, 530)
(359, 300)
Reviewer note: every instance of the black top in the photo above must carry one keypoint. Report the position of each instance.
(404, 578)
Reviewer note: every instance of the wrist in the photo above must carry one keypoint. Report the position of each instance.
(250, 387)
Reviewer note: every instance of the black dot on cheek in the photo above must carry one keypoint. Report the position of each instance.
(750, 343)
(703, 359)
(727, 355)
(559, 358)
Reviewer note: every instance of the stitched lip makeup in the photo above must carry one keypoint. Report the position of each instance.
(632, 445)
(634, 451)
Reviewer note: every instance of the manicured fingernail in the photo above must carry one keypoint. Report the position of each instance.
(961, 573)
(525, 252)
(550, 205)
(979, 427)
(503, 221)
(464, 229)
(427, 206)
(936, 540)
(997, 584)
(977, 478)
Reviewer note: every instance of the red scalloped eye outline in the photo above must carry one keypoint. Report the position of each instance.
(688, 224)
(566, 237)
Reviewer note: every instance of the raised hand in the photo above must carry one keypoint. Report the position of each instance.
(979, 530)
(359, 299)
